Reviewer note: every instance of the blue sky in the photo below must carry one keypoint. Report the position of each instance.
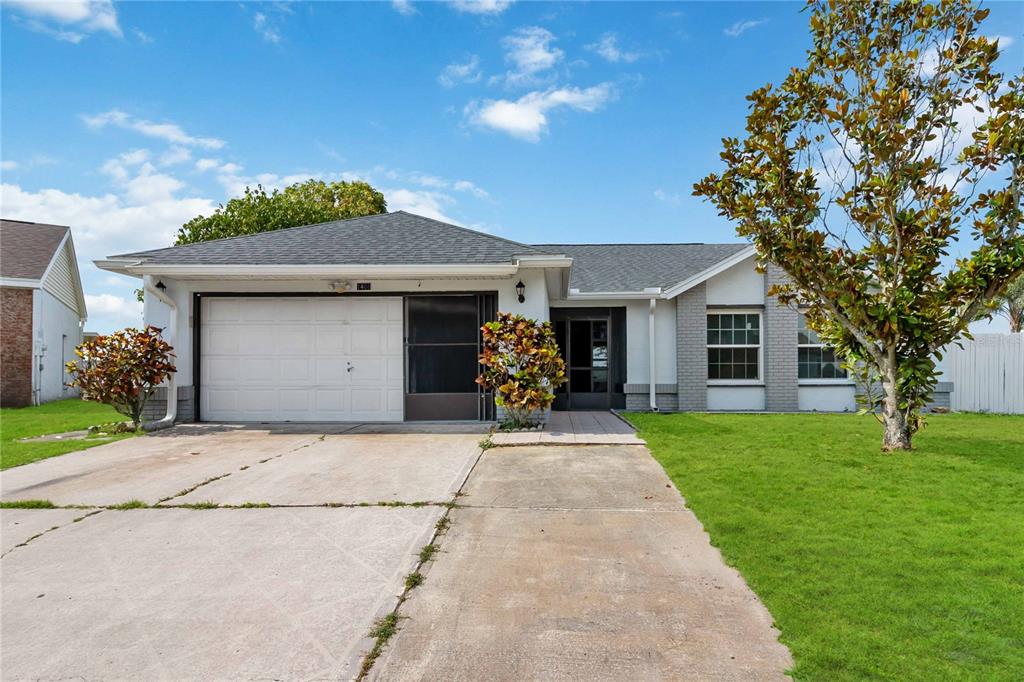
(535, 121)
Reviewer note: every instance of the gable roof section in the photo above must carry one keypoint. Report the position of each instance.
(635, 267)
(397, 238)
(26, 249)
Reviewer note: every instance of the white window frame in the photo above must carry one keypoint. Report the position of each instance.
(759, 381)
(820, 381)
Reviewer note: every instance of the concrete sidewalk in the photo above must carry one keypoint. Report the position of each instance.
(583, 564)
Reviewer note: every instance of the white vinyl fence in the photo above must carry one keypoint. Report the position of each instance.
(987, 374)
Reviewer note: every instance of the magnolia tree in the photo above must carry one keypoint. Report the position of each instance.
(860, 172)
(522, 365)
(122, 369)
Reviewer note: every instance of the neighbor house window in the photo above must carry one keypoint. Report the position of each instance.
(816, 360)
(734, 346)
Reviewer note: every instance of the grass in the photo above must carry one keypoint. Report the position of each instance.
(27, 504)
(56, 417)
(130, 504)
(904, 567)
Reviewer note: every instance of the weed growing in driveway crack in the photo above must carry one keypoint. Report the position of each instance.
(427, 553)
(486, 443)
(186, 491)
(27, 504)
(130, 504)
(208, 504)
(254, 505)
(414, 579)
(442, 524)
(383, 630)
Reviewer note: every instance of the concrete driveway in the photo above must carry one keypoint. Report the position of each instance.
(579, 563)
(269, 554)
(172, 592)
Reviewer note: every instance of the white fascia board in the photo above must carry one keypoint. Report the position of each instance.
(314, 271)
(577, 295)
(83, 312)
(715, 269)
(21, 283)
(118, 265)
(543, 261)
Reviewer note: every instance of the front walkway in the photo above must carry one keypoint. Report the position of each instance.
(579, 563)
(575, 428)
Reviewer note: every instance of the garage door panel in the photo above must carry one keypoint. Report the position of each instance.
(221, 341)
(251, 339)
(294, 371)
(288, 359)
(296, 340)
(331, 340)
(330, 310)
(221, 310)
(331, 372)
(256, 310)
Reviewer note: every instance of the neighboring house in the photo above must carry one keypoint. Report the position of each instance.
(43, 310)
(378, 318)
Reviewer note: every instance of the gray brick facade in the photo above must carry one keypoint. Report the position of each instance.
(778, 339)
(638, 397)
(156, 408)
(691, 349)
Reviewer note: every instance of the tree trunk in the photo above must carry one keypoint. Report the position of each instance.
(897, 431)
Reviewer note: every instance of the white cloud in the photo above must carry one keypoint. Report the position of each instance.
(741, 27)
(68, 20)
(530, 52)
(142, 36)
(456, 73)
(608, 48)
(171, 132)
(404, 7)
(481, 6)
(467, 186)
(113, 312)
(203, 165)
(420, 202)
(8, 165)
(265, 28)
(667, 197)
(930, 57)
(175, 155)
(527, 117)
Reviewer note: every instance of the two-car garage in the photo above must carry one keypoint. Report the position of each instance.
(267, 358)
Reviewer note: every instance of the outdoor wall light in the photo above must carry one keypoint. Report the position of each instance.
(521, 291)
(161, 286)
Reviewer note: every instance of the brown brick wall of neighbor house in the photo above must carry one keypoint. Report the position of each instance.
(15, 347)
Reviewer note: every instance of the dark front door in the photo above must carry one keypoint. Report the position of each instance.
(442, 342)
(592, 342)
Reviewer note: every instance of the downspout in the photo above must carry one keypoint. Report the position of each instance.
(653, 348)
(171, 338)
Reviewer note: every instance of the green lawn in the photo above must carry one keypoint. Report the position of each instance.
(874, 566)
(55, 417)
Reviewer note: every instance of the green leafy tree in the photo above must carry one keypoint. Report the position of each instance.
(122, 369)
(862, 168)
(1010, 304)
(522, 365)
(304, 203)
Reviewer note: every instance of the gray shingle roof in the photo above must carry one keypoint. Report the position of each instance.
(397, 238)
(26, 249)
(634, 267)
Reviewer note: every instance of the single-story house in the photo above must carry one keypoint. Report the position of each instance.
(377, 318)
(42, 311)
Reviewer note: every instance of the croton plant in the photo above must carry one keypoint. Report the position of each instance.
(522, 365)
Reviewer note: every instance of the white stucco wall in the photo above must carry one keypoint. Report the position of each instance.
(741, 284)
(156, 313)
(827, 398)
(735, 398)
(56, 333)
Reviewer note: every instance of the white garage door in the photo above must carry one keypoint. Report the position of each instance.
(301, 359)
